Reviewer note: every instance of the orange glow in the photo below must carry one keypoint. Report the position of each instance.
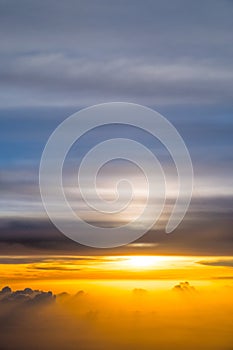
(69, 270)
(137, 297)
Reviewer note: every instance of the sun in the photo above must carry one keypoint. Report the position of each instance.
(141, 261)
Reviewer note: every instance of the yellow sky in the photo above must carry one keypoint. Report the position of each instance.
(65, 271)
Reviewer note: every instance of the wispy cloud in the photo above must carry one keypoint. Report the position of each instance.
(85, 53)
(58, 79)
(221, 262)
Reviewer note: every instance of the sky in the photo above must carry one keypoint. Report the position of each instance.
(174, 57)
(165, 291)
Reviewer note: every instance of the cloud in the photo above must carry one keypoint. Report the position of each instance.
(220, 262)
(25, 297)
(139, 292)
(223, 278)
(56, 268)
(142, 245)
(184, 287)
(111, 318)
(201, 232)
(19, 260)
(85, 53)
(63, 295)
(57, 79)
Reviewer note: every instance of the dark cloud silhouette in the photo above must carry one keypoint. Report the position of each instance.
(184, 287)
(63, 295)
(5, 290)
(139, 292)
(56, 268)
(20, 260)
(219, 262)
(25, 297)
(80, 293)
(223, 278)
(199, 233)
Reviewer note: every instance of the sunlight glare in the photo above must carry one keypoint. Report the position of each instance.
(143, 261)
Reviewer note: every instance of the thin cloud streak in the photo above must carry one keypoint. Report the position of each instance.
(60, 80)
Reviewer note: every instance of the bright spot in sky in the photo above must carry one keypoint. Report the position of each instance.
(154, 261)
(142, 261)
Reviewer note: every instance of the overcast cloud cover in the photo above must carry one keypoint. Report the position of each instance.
(82, 52)
(174, 56)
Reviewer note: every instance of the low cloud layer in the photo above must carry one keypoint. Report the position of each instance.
(117, 318)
